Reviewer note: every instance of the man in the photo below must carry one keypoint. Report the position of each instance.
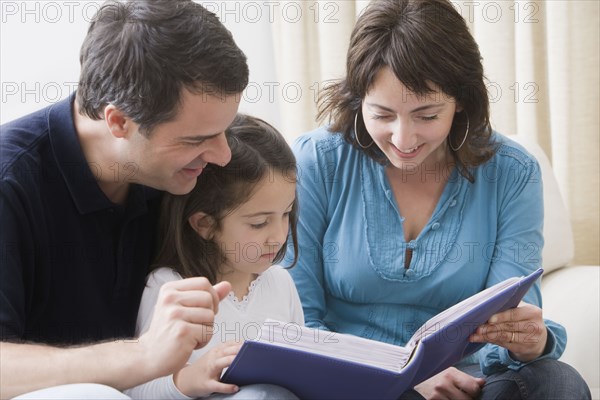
(80, 182)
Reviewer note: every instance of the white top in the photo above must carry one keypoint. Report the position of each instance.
(272, 295)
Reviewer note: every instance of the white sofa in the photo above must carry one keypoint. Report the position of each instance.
(571, 293)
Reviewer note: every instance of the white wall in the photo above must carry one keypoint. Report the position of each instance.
(40, 41)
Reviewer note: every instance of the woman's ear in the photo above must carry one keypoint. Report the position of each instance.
(203, 224)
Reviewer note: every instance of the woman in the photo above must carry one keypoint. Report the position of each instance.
(410, 203)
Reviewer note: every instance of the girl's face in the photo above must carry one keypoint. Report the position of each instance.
(410, 130)
(252, 235)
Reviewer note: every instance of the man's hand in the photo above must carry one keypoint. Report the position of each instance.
(182, 322)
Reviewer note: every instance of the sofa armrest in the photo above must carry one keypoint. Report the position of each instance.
(571, 297)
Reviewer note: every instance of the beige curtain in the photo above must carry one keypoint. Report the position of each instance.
(310, 40)
(541, 58)
(542, 63)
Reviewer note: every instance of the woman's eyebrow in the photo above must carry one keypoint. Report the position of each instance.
(420, 108)
(427, 107)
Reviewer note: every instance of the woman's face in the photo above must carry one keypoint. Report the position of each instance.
(411, 130)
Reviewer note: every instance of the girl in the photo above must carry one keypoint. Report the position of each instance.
(233, 226)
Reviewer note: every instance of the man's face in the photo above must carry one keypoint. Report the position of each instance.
(177, 151)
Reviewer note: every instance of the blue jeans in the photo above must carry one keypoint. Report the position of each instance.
(540, 380)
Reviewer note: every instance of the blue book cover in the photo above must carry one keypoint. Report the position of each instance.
(338, 366)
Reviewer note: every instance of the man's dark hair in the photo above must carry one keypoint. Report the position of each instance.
(140, 54)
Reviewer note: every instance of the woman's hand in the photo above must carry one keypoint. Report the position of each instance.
(451, 384)
(521, 330)
(202, 377)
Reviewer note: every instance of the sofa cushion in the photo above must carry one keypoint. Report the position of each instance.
(572, 298)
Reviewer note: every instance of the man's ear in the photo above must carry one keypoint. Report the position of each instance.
(118, 123)
(203, 224)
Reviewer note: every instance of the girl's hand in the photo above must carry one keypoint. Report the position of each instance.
(202, 377)
(521, 330)
(451, 384)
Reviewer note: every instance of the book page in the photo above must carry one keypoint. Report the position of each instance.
(337, 345)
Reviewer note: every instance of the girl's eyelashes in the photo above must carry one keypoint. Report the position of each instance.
(264, 223)
(429, 117)
(259, 225)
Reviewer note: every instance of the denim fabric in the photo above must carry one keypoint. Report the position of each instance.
(543, 379)
(540, 380)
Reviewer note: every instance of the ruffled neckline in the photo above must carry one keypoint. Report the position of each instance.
(243, 303)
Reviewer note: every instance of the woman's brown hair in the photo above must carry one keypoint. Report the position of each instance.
(423, 42)
(257, 148)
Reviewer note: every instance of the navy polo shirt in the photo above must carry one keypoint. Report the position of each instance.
(72, 263)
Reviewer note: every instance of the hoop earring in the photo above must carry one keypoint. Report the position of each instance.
(464, 138)
(356, 134)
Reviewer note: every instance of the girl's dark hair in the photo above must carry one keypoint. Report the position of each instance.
(257, 149)
(422, 42)
(140, 54)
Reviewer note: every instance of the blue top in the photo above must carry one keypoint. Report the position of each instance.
(351, 272)
(73, 264)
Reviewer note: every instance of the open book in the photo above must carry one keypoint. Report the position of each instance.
(316, 364)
